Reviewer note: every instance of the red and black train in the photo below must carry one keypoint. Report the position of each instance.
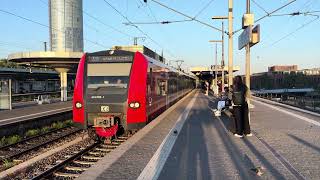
(118, 90)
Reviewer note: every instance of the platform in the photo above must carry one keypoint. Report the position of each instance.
(188, 142)
(32, 111)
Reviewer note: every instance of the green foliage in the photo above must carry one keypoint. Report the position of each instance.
(13, 139)
(57, 125)
(45, 129)
(3, 141)
(32, 132)
(68, 123)
(7, 164)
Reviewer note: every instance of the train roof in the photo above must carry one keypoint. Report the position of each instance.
(150, 59)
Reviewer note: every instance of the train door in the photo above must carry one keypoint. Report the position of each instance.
(149, 92)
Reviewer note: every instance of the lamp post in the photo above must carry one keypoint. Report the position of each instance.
(230, 43)
(248, 60)
(215, 67)
(222, 48)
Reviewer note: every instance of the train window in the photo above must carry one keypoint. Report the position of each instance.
(109, 69)
(161, 89)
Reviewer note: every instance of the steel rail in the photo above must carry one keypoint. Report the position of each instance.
(15, 155)
(31, 138)
(55, 168)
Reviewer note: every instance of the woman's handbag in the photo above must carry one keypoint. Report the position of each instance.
(238, 98)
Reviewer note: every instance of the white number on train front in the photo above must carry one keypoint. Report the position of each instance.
(104, 108)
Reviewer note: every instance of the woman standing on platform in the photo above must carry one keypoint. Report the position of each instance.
(240, 107)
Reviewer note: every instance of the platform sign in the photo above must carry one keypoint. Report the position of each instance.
(5, 94)
(245, 37)
(255, 35)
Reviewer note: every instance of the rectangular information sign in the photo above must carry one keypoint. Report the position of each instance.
(244, 38)
(109, 59)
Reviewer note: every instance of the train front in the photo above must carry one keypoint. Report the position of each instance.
(105, 90)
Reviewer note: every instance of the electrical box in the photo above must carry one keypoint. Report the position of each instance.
(247, 20)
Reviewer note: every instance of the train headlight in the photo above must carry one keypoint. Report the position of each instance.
(134, 105)
(78, 105)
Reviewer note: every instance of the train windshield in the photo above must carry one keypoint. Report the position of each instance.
(108, 81)
(108, 77)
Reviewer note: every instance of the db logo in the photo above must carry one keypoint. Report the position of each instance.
(104, 108)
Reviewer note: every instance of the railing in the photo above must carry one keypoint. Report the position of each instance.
(308, 103)
(27, 97)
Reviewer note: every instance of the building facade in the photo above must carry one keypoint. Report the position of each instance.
(278, 68)
(279, 77)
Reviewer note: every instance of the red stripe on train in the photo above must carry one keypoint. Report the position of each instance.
(137, 89)
(78, 113)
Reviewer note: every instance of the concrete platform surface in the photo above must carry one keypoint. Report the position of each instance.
(188, 142)
(34, 111)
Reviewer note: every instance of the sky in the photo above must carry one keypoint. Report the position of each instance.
(285, 40)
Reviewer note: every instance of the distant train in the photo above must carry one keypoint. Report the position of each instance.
(120, 91)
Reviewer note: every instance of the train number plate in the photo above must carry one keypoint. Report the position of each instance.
(104, 121)
(104, 108)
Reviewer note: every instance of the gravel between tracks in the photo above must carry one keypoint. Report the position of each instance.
(45, 148)
(32, 167)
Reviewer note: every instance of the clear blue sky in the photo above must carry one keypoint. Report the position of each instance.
(187, 41)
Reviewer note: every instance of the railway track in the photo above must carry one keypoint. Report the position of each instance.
(13, 151)
(73, 165)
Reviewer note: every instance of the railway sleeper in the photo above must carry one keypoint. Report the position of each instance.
(108, 146)
(119, 140)
(91, 158)
(83, 162)
(74, 168)
(123, 137)
(96, 153)
(113, 143)
(65, 175)
(103, 150)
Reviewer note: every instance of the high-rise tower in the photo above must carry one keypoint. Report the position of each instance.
(66, 25)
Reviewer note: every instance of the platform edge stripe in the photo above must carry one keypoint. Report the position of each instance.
(94, 171)
(289, 113)
(156, 163)
(30, 115)
(287, 106)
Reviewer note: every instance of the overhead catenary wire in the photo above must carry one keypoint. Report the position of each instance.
(139, 29)
(259, 6)
(159, 22)
(185, 15)
(44, 25)
(156, 20)
(173, 21)
(126, 18)
(269, 14)
(298, 13)
(204, 8)
(276, 10)
(297, 29)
